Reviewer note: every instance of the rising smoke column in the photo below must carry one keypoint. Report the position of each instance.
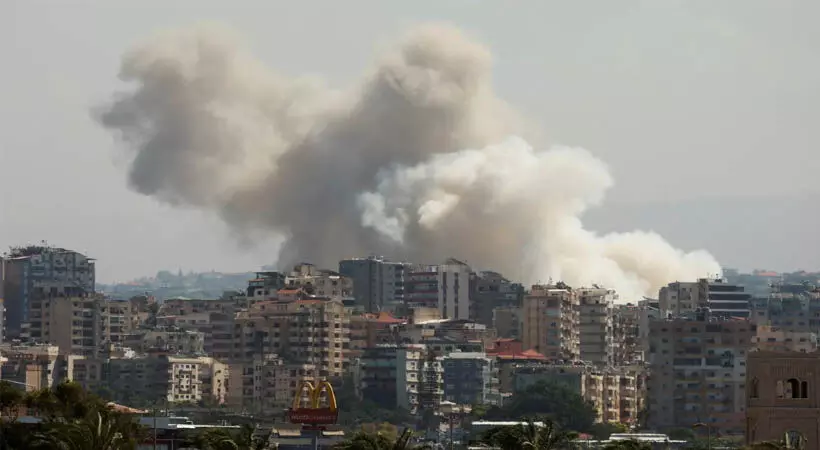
(419, 160)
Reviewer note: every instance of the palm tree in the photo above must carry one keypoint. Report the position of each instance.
(532, 435)
(100, 430)
(379, 441)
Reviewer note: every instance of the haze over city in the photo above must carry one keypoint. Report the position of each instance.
(700, 116)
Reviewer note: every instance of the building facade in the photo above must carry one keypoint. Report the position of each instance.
(550, 322)
(596, 313)
(378, 284)
(698, 373)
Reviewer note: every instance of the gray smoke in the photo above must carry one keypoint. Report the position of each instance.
(420, 161)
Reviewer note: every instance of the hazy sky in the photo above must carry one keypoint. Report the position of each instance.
(707, 113)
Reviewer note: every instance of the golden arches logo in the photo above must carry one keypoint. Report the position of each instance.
(314, 394)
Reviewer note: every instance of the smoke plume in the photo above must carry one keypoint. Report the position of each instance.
(420, 160)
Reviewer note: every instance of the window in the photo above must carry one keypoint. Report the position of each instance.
(753, 390)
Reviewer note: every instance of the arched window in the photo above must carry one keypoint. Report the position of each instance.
(804, 389)
(779, 389)
(792, 388)
(754, 389)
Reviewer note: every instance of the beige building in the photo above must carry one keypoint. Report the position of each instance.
(319, 282)
(698, 373)
(617, 393)
(79, 325)
(550, 322)
(776, 339)
(35, 366)
(596, 307)
(266, 385)
(315, 332)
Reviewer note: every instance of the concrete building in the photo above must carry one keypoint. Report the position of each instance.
(35, 366)
(319, 282)
(789, 307)
(37, 272)
(626, 331)
(444, 286)
(454, 290)
(698, 369)
(596, 313)
(471, 378)
(378, 284)
(617, 393)
(722, 298)
(174, 341)
(266, 385)
(312, 331)
(782, 399)
(507, 321)
(265, 286)
(489, 291)
(158, 380)
(776, 339)
(551, 322)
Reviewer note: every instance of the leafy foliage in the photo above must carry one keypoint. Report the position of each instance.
(548, 436)
(364, 440)
(630, 444)
(553, 400)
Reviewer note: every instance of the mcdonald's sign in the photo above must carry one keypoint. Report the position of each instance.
(314, 413)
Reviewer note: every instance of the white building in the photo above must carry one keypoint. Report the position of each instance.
(454, 290)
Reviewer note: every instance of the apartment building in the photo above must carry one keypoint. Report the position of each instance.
(421, 288)
(698, 368)
(444, 286)
(490, 291)
(551, 321)
(367, 330)
(378, 284)
(169, 340)
(775, 339)
(722, 298)
(617, 393)
(420, 378)
(267, 384)
(37, 366)
(159, 379)
(471, 378)
(507, 321)
(265, 286)
(626, 333)
(36, 272)
(313, 331)
(214, 318)
(596, 325)
(790, 307)
(319, 282)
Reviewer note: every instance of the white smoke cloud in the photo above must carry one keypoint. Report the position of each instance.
(420, 160)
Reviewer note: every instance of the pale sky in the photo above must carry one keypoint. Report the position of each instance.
(707, 113)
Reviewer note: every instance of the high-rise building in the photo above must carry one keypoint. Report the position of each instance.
(471, 378)
(378, 284)
(596, 306)
(454, 290)
(722, 298)
(698, 368)
(551, 322)
(36, 272)
(490, 290)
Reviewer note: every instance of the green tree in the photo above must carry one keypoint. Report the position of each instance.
(99, 430)
(602, 431)
(530, 435)
(364, 440)
(549, 399)
(629, 444)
